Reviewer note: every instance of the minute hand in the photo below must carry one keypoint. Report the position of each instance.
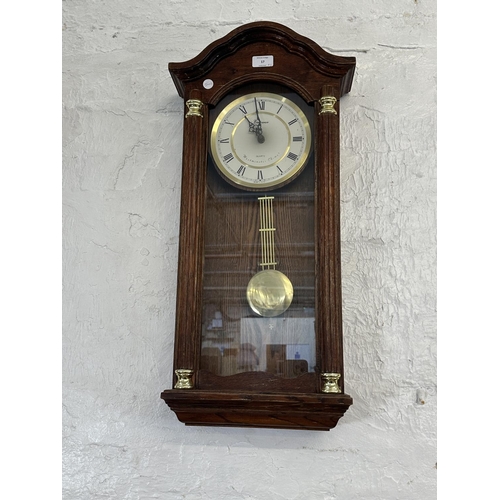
(258, 130)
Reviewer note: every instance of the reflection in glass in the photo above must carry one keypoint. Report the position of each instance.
(236, 338)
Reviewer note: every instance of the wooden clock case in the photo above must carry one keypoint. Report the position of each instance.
(320, 79)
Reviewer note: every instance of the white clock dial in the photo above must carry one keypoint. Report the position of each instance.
(260, 141)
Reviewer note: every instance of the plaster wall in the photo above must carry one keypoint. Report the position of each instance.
(122, 123)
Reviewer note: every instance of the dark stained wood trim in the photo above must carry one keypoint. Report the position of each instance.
(304, 67)
(247, 409)
(191, 239)
(330, 65)
(266, 37)
(328, 257)
(258, 382)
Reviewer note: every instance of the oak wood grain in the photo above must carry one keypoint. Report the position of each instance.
(210, 231)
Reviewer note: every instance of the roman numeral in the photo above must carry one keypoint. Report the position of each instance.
(228, 157)
(225, 141)
(243, 110)
(228, 123)
(299, 138)
(292, 156)
(241, 170)
(279, 109)
(262, 105)
(281, 171)
(260, 176)
(293, 121)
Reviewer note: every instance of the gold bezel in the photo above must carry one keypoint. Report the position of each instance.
(275, 183)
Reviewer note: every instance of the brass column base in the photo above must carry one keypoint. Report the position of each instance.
(330, 383)
(184, 379)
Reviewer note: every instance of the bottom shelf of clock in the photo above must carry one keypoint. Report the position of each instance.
(236, 409)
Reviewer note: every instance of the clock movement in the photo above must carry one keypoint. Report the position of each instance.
(258, 336)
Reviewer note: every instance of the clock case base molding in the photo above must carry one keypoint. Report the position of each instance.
(239, 409)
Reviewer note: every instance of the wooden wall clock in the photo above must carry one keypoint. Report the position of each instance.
(258, 339)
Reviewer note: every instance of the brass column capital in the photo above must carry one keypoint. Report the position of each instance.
(328, 104)
(194, 108)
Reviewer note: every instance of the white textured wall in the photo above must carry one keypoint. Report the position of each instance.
(122, 158)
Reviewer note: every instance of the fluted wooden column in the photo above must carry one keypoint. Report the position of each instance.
(328, 263)
(191, 236)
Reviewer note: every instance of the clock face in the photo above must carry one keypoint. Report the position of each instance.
(260, 141)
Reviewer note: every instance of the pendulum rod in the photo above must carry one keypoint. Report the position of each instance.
(267, 231)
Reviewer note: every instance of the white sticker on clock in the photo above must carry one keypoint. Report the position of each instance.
(262, 61)
(208, 84)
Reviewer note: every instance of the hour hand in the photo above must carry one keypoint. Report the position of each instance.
(260, 137)
(255, 128)
(258, 132)
(251, 126)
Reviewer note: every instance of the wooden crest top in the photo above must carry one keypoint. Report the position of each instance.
(287, 58)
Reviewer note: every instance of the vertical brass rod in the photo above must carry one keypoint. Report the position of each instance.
(266, 233)
(262, 238)
(271, 213)
(263, 233)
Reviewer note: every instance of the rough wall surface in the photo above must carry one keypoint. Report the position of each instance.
(121, 181)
